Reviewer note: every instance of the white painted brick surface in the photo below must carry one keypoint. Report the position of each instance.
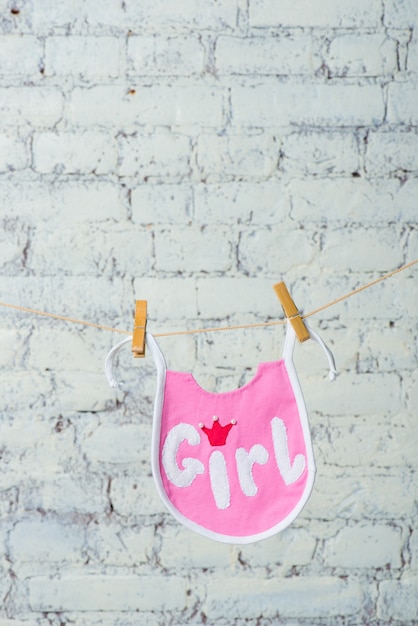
(270, 104)
(158, 105)
(161, 157)
(163, 204)
(412, 62)
(399, 599)
(84, 57)
(365, 546)
(20, 55)
(391, 152)
(73, 153)
(193, 250)
(46, 541)
(107, 593)
(320, 153)
(258, 202)
(300, 597)
(400, 13)
(13, 154)
(116, 545)
(367, 55)
(194, 153)
(173, 56)
(34, 106)
(329, 13)
(237, 156)
(259, 55)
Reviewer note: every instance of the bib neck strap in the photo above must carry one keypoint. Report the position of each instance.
(289, 344)
(154, 349)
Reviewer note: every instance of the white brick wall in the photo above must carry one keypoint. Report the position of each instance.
(194, 153)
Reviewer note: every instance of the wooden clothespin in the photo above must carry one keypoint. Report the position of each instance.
(291, 311)
(140, 323)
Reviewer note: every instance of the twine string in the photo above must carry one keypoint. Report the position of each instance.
(215, 328)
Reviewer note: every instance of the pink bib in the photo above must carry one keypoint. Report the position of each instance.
(236, 466)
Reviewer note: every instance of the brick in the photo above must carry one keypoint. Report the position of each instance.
(36, 439)
(9, 499)
(242, 156)
(133, 496)
(13, 243)
(84, 391)
(398, 599)
(400, 13)
(47, 293)
(328, 13)
(297, 598)
(5, 584)
(162, 204)
(237, 353)
(388, 349)
(83, 57)
(402, 99)
(361, 496)
(348, 443)
(68, 201)
(364, 547)
(65, 494)
(269, 249)
(113, 544)
(413, 546)
(352, 200)
(320, 153)
(193, 249)
(74, 153)
(273, 104)
(266, 55)
(91, 251)
(165, 56)
(315, 290)
(37, 106)
(159, 105)
(373, 247)
(413, 245)
(20, 23)
(46, 540)
(292, 547)
(20, 55)
(127, 443)
(222, 297)
(391, 152)
(155, 16)
(361, 55)
(166, 293)
(363, 394)
(13, 342)
(383, 302)
(106, 593)
(182, 549)
(411, 394)
(62, 347)
(412, 58)
(158, 156)
(255, 202)
(18, 622)
(403, 202)
(23, 390)
(49, 16)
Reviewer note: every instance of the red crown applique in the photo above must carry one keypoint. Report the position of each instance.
(217, 434)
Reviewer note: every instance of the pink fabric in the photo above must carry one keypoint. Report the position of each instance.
(267, 396)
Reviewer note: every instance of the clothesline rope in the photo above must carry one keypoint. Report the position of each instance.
(215, 328)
